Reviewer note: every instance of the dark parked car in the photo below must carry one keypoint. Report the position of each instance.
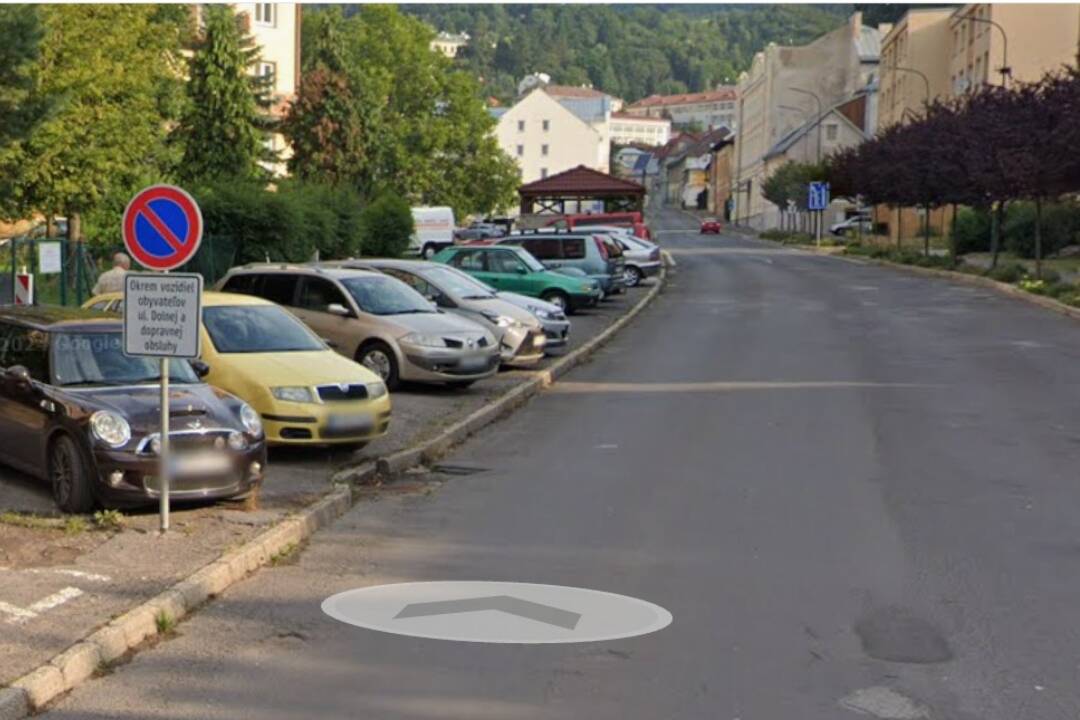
(78, 412)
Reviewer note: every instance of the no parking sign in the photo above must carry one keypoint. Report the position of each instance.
(162, 227)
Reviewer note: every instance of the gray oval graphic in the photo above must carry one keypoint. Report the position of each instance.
(496, 612)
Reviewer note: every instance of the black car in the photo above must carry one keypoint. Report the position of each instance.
(78, 412)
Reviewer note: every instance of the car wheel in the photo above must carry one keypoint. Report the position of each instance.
(380, 359)
(429, 251)
(631, 276)
(69, 476)
(557, 298)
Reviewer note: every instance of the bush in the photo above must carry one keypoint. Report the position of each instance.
(387, 226)
(775, 234)
(1010, 273)
(289, 224)
(1060, 227)
(972, 231)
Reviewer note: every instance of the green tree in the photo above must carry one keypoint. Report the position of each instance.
(387, 226)
(403, 118)
(224, 128)
(107, 76)
(20, 25)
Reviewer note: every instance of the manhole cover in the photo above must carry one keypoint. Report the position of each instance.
(497, 612)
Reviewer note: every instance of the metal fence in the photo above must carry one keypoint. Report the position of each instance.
(81, 263)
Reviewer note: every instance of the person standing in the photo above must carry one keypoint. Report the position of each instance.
(113, 280)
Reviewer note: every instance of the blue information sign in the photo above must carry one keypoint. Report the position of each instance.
(819, 196)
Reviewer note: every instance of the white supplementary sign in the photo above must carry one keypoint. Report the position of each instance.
(161, 315)
(49, 262)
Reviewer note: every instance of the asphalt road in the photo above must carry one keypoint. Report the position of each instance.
(855, 490)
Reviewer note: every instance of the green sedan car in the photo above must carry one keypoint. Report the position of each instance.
(513, 269)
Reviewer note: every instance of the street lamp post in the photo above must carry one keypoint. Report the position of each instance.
(920, 73)
(1005, 70)
(799, 110)
(819, 110)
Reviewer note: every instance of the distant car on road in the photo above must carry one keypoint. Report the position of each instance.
(711, 226)
(305, 392)
(377, 320)
(507, 267)
(78, 412)
(851, 226)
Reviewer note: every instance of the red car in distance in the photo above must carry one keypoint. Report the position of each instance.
(711, 225)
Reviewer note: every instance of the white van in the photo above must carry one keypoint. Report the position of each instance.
(434, 230)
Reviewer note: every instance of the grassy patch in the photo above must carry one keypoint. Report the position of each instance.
(164, 622)
(109, 520)
(284, 555)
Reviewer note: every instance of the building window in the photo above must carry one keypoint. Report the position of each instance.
(521, 126)
(543, 173)
(268, 70)
(544, 150)
(264, 14)
(547, 125)
(521, 150)
(830, 132)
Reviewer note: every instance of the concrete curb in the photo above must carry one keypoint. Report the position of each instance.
(33, 691)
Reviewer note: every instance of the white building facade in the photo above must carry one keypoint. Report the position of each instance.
(546, 138)
(627, 129)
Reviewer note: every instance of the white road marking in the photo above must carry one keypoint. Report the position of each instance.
(571, 387)
(19, 615)
(669, 259)
(883, 702)
(607, 446)
(73, 573)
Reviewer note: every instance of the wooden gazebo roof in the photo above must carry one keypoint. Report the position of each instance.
(580, 183)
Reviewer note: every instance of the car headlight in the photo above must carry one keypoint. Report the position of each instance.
(251, 420)
(292, 394)
(237, 441)
(110, 428)
(376, 390)
(542, 313)
(424, 340)
(588, 287)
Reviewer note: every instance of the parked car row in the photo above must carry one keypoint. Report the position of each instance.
(297, 354)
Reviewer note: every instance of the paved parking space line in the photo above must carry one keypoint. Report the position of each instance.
(20, 615)
(73, 573)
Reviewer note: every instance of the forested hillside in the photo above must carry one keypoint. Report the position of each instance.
(631, 50)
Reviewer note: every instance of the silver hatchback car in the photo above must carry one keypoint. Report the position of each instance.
(519, 333)
(377, 320)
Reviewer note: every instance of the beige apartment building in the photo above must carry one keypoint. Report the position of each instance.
(1041, 37)
(788, 88)
(918, 44)
(275, 27)
(545, 137)
(627, 129)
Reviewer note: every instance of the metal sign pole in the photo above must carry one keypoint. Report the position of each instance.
(163, 471)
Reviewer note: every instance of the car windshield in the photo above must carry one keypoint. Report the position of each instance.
(533, 264)
(457, 284)
(257, 329)
(97, 358)
(384, 295)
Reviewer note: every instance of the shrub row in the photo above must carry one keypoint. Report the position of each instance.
(1061, 228)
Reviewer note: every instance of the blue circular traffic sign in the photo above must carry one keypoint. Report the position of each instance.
(162, 227)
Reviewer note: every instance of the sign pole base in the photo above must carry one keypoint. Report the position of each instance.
(164, 458)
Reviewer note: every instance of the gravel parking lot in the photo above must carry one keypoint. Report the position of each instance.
(60, 577)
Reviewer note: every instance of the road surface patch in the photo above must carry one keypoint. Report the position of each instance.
(572, 388)
(883, 702)
(497, 612)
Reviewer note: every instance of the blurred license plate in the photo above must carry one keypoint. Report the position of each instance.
(474, 363)
(201, 464)
(349, 423)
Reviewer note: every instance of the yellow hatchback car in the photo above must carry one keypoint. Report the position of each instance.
(306, 393)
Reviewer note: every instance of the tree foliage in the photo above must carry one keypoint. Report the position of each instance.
(225, 125)
(94, 87)
(790, 182)
(630, 51)
(987, 149)
(380, 110)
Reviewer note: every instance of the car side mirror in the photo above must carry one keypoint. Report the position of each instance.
(18, 373)
(522, 271)
(338, 309)
(201, 369)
